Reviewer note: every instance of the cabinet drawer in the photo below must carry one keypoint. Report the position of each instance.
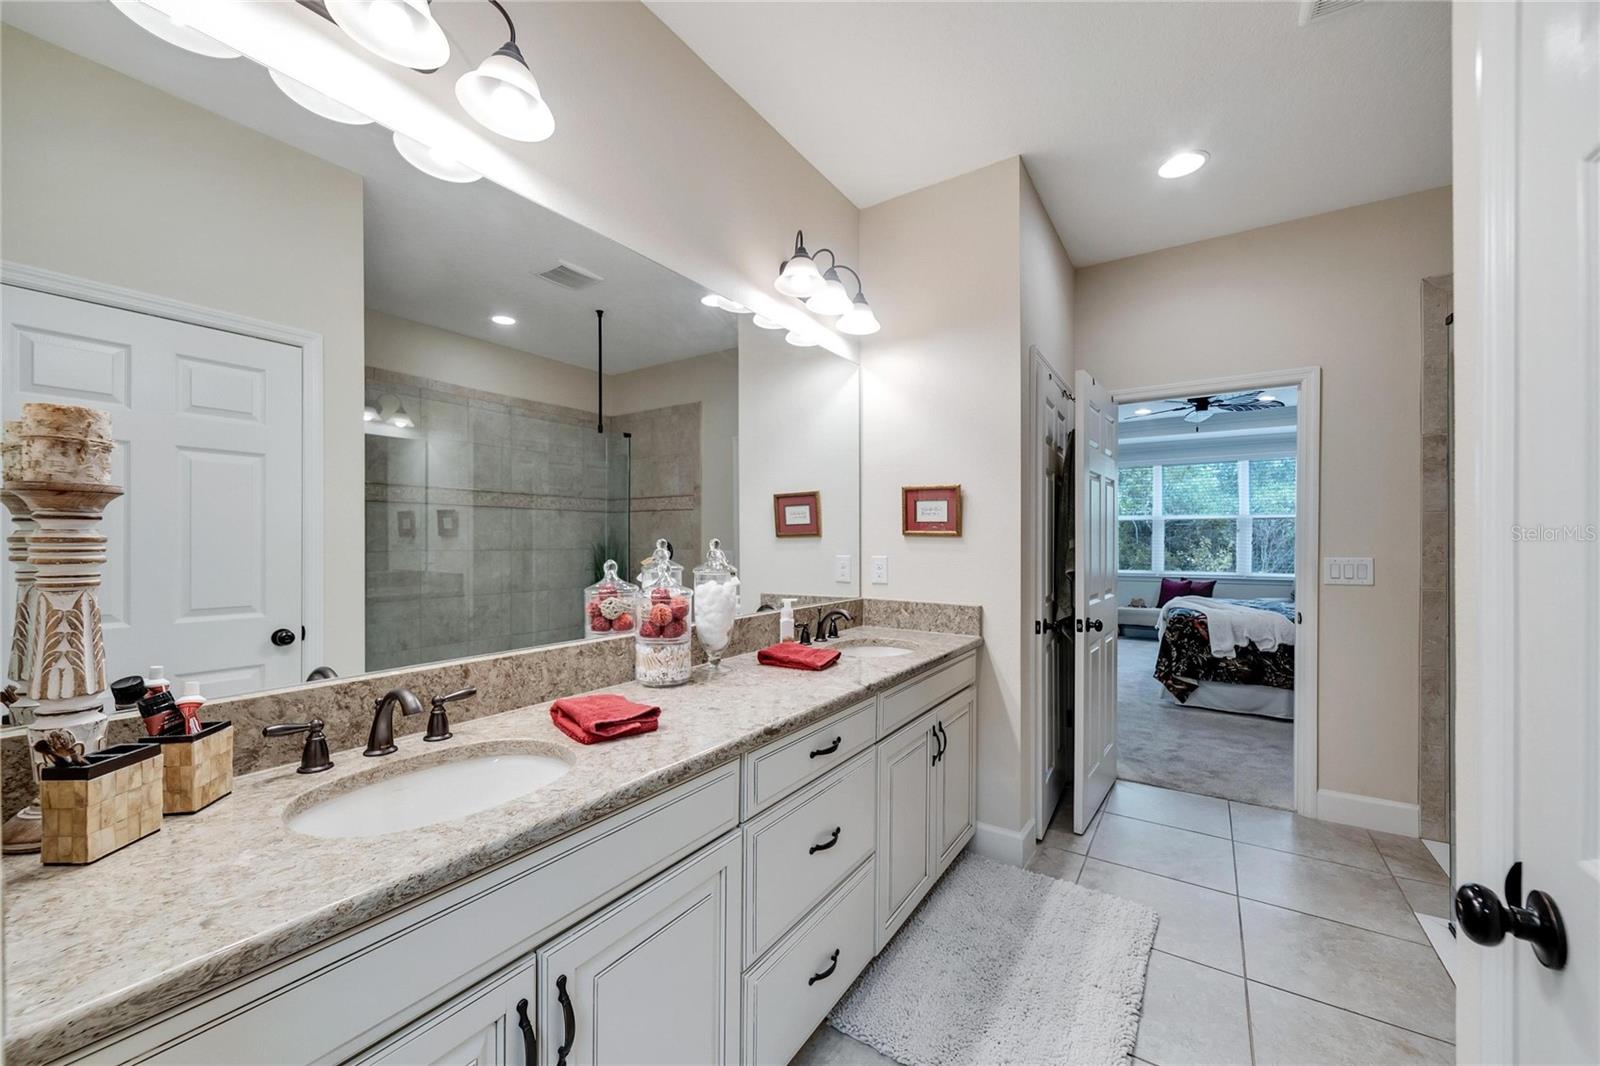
(778, 769)
(798, 851)
(911, 699)
(786, 996)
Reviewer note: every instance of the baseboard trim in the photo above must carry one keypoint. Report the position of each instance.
(1369, 812)
(1015, 846)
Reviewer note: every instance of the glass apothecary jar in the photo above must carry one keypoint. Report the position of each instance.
(609, 604)
(661, 651)
(716, 602)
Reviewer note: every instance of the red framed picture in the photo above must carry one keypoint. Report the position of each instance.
(930, 510)
(797, 514)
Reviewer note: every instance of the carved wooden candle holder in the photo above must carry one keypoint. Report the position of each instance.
(197, 768)
(92, 810)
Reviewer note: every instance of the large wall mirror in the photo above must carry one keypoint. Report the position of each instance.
(361, 415)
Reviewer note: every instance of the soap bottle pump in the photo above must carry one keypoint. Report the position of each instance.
(786, 622)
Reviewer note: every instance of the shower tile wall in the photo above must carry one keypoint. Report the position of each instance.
(1434, 798)
(664, 479)
(481, 521)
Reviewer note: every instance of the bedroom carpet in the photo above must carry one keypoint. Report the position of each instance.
(1234, 756)
(1001, 964)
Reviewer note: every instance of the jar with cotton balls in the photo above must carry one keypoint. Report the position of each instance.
(661, 650)
(716, 602)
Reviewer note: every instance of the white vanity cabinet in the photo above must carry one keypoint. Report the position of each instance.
(955, 777)
(490, 1025)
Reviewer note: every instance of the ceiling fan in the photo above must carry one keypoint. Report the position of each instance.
(1200, 408)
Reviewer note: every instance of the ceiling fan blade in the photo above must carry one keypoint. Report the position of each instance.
(1163, 411)
(1238, 397)
(1199, 416)
(1253, 405)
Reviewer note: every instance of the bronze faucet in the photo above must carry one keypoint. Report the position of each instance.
(381, 740)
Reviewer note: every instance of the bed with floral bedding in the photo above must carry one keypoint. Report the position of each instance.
(1186, 662)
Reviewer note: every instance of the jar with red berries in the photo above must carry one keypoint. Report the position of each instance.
(662, 656)
(609, 604)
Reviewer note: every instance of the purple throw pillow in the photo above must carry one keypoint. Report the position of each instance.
(1203, 588)
(1172, 588)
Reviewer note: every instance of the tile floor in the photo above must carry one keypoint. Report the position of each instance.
(1282, 939)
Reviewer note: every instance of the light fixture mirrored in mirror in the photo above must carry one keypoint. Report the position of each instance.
(318, 103)
(801, 339)
(173, 31)
(764, 322)
(401, 31)
(434, 162)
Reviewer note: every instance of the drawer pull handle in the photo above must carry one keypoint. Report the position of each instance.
(833, 964)
(830, 749)
(831, 842)
(530, 1044)
(567, 1020)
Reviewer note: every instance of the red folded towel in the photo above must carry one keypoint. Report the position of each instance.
(797, 656)
(605, 716)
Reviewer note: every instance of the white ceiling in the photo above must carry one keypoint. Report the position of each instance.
(1166, 422)
(447, 255)
(885, 98)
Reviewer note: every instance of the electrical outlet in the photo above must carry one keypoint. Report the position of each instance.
(880, 569)
(841, 568)
(1347, 570)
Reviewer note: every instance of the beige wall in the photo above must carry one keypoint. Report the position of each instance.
(801, 413)
(942, 388)
(107, 179)
(1340, 291)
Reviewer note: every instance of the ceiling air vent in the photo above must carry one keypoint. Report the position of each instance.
(571, 276)
(1316, 10)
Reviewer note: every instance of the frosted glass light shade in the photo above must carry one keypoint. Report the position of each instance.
(799, 277)
(831, 298)
(800, 340)
(764, 322)
(859, 321)
(502, 96)
(401, 31)
(432, 161)
(318, 103)
(172, 32)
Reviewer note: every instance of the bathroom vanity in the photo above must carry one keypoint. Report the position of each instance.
(700, 894)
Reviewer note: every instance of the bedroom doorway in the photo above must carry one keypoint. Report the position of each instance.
(1217, 587)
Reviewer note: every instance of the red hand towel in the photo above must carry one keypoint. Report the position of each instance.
(605, 716)
(797, 656)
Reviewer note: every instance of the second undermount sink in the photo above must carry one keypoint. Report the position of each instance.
(426, 791)
(871, 649)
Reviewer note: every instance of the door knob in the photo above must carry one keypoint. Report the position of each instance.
(1094, 624)
(1486, 921)
(282, 637)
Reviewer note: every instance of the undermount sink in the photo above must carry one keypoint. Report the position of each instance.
(871, 649)
(426, 791)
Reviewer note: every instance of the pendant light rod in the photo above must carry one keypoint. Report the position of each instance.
(511, 27)
(600, 367)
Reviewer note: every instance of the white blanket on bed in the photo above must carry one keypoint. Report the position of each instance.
(1233, 626)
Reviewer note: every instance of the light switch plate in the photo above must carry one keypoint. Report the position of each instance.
(880, 569)
(841, 568)
(1347, 570)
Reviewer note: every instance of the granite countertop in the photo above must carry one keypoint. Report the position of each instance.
(92, 950)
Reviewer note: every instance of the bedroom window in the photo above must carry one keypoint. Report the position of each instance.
(1234, 517)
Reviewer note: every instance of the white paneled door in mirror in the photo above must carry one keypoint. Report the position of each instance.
(1095, 606)
(204, 547)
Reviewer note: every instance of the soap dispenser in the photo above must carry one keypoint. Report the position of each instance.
(786, 622)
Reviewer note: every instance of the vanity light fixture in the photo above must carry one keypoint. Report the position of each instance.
(317, 103)
(764, 322)
(400, 419)
(370, 413)
(798, 276)
(502, 320)
(173, 31)
(832, 298)
(859, 321)
(1182, 164)
(502, 95)
(801, 340)
(722, 303)
(433, 161)
(401, 31)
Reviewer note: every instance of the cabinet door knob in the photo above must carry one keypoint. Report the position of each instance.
(282, 638)
(834, 839)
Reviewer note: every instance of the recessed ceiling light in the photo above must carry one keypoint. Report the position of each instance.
(1142, 411)
(502, 320)
(1180, 164)
(1266, 397)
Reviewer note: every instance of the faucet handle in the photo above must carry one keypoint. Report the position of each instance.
(804, 631)
(438, 720)
(314, 756)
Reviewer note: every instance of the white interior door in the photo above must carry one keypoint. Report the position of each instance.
(1551, 754)
(1051, 425)
(204, 554)
(1094, 651)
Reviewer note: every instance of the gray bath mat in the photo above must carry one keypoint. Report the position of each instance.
(1002, 965)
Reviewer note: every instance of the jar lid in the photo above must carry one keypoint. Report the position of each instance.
(717, 562)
